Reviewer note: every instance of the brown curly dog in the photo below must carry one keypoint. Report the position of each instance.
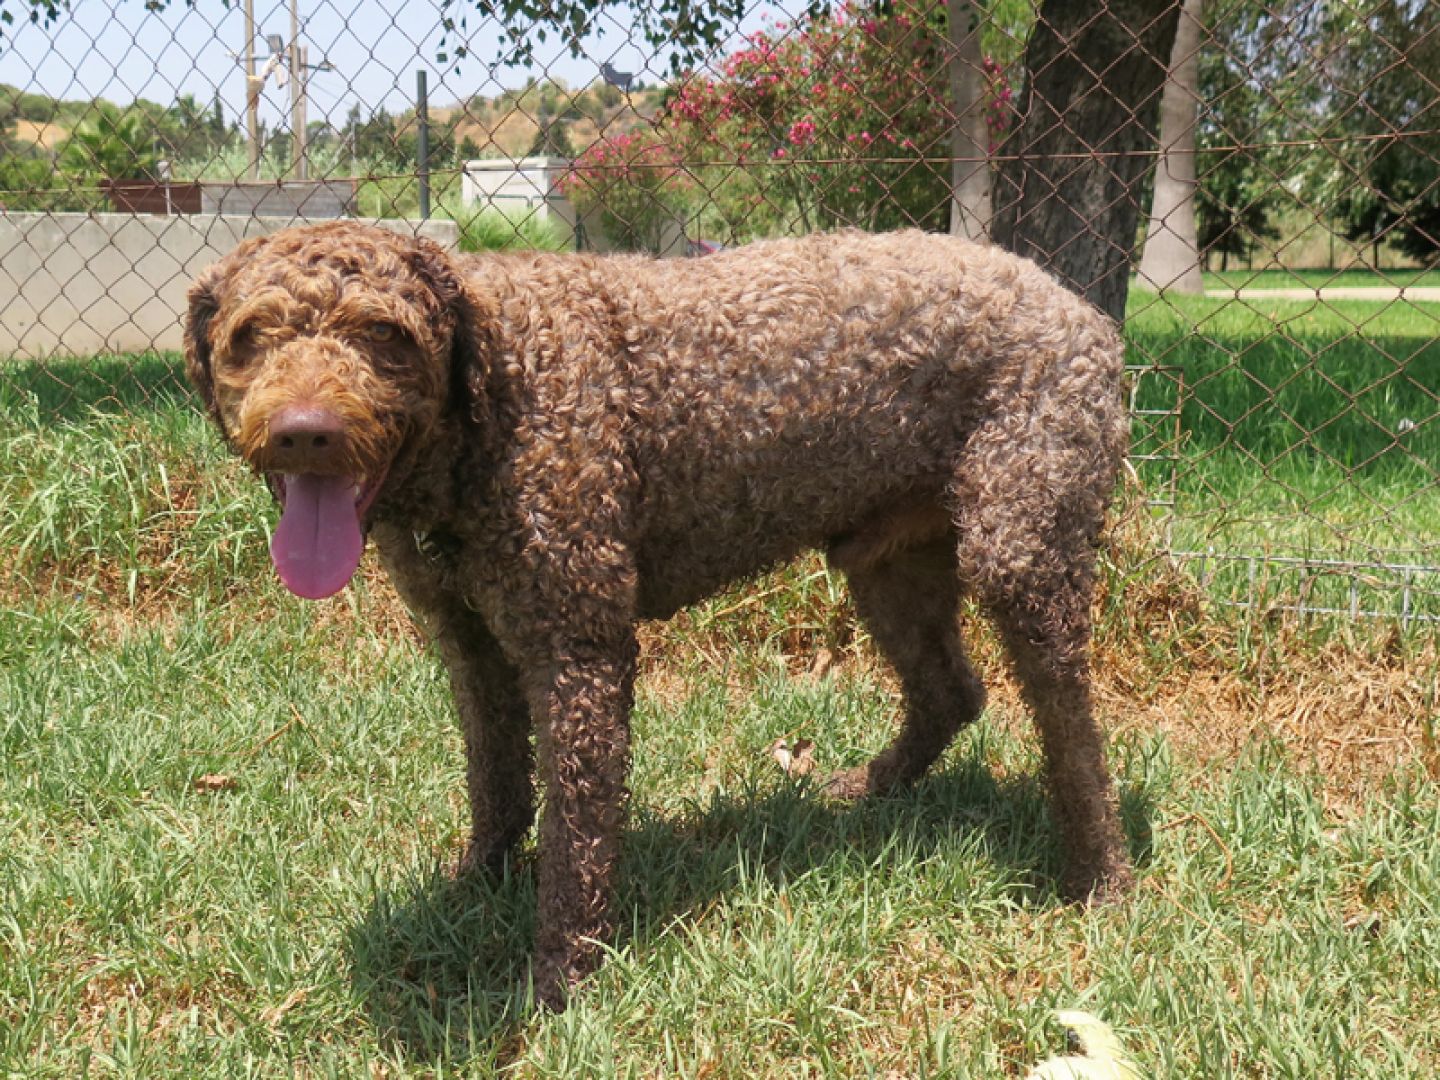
(548, 448)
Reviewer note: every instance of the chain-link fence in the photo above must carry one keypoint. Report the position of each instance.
(1253, 184)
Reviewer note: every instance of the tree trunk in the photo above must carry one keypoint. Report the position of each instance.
(1172, 246)
(1068, 189)
(969, 139)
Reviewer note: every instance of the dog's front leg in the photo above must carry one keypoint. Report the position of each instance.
(495, 721)
(491, 706)
(583, 712)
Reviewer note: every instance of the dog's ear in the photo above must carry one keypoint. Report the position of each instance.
(441, 272)
(468, 318)
(203, 303)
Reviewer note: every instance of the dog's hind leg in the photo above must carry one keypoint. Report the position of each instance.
(909, 601)
(1032, 503)
(1048, 643)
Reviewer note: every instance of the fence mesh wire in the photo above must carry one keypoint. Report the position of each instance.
(1276, 225)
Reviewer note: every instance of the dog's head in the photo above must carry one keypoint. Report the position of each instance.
(322, 352)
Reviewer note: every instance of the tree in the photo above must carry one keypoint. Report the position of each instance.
(969, 136)
(111, 143)
(37, 11)
(469, 149)
(1232, 206)
(689, 30)
(1068, 191)
(371, 139)
(320, 137)
(636, 186)
(1070, 186)
(552, 139)
(1172, 259)
(190, 131)
(28, 183)
(1385, 64)
(27, 177)
(1258, 85)
(1398, 200)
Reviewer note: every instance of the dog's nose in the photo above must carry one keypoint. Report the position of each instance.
(305, 438)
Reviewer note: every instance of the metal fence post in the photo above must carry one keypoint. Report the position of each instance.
(422, 143)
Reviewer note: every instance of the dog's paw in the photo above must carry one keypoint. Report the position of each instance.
(849, 785)
(556, 978)
(1109, 883)
(488, 859)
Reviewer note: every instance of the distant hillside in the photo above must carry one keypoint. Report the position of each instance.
(44, 135)
(509, 124)
(36, 121)
(17, 104)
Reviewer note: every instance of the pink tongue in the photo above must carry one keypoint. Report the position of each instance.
(316, 547)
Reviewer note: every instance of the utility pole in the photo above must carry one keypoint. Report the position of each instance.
(290, 61)
(252, 91)
(298, 73)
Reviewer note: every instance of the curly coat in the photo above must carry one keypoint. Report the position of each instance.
(557, 446)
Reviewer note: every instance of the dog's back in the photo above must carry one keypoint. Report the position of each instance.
(774, 397)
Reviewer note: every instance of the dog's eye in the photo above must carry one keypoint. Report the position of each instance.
(382, 332)
(241, 341)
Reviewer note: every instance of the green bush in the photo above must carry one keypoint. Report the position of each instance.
(489, 229)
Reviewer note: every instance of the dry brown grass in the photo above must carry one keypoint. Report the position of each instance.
(509, 129)
(1347, 702)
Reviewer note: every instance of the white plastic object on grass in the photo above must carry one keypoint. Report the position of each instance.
(1101, 1056)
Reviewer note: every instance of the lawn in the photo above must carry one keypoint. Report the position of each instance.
(1306, 431)
(227, 816)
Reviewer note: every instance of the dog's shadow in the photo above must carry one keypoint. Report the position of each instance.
(443, 963)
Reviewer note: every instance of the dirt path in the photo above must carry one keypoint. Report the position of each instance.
(1429, 294)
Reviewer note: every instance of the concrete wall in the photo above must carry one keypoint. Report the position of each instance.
(520, 189)
(309, 198)
(79, 284)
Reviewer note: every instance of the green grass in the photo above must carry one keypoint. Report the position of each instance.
(111, 481)
(1306, 431)
(295, 915)
(481, 229)
(226, 814)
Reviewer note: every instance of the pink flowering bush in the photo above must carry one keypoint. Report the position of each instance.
(842, 120)
(636, 183)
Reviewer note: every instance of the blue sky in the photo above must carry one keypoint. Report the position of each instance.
(119, 51)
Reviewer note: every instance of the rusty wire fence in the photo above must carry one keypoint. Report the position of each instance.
(1253, 185)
